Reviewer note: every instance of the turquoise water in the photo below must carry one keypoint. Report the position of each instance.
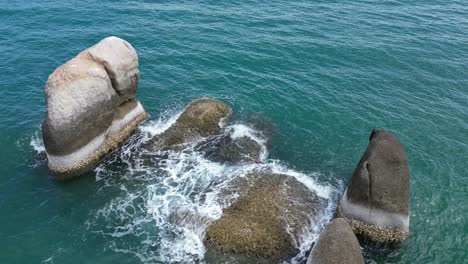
(324, 72)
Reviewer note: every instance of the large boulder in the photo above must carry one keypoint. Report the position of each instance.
(267, 219)
(376, 201)
(202, 118)
(337, 244)
(91, 106)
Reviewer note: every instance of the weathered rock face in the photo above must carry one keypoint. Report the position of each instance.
(337, 244)
(91, 106)
(200, 119)
(267, 218)
(376, 201)
(225, 148)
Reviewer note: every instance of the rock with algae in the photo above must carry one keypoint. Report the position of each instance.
(202, 118)
(267, 219)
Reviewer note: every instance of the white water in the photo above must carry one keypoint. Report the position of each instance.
(163, 201)
(237, 131)
(156, 127)
(36, 143)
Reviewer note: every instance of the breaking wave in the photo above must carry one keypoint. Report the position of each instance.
(163, 201)
(37, 144)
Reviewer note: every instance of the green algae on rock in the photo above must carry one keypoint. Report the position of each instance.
(200, 119)
(267, 219)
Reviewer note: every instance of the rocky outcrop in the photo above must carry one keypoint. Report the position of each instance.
(225, 148)
(202, 118)
(376, 201)
(337, 244)
(91, 106)
(268, 217)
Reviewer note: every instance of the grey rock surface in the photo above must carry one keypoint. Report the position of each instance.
(225, 148)
(337, 244)
(91, 106)
(376, 201)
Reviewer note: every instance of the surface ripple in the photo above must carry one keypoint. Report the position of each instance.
(324, 72)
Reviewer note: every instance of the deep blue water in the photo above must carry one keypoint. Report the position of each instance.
(324, 72)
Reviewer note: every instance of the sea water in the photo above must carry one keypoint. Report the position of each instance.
(321, 73)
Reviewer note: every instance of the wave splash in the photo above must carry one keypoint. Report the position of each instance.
(37, 144)
(163, 201)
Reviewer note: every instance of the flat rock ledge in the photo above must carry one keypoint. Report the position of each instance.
(376, 201)
(91, 107)
(337, 244)
(268, 217)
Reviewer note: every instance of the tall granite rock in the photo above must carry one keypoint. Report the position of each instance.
(91, 106)
(376, 201)
(337, 244)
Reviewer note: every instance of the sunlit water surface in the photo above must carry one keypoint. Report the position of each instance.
(323, 72)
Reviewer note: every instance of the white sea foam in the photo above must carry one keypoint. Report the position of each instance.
(165, 200)
(36, 143)
(309, 181)
(240, 130)
(156, 127)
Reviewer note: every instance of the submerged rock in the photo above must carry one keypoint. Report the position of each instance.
(242, 149)
(267, 219)
(225, 148)
(202, 118)
(239, 143)
(265, 126)
(337, 244)
(376, 201)
(91, 106)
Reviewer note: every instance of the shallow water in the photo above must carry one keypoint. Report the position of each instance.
(324, 72)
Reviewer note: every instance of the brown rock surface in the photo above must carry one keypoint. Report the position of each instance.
(200, 119)
(265, 220)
